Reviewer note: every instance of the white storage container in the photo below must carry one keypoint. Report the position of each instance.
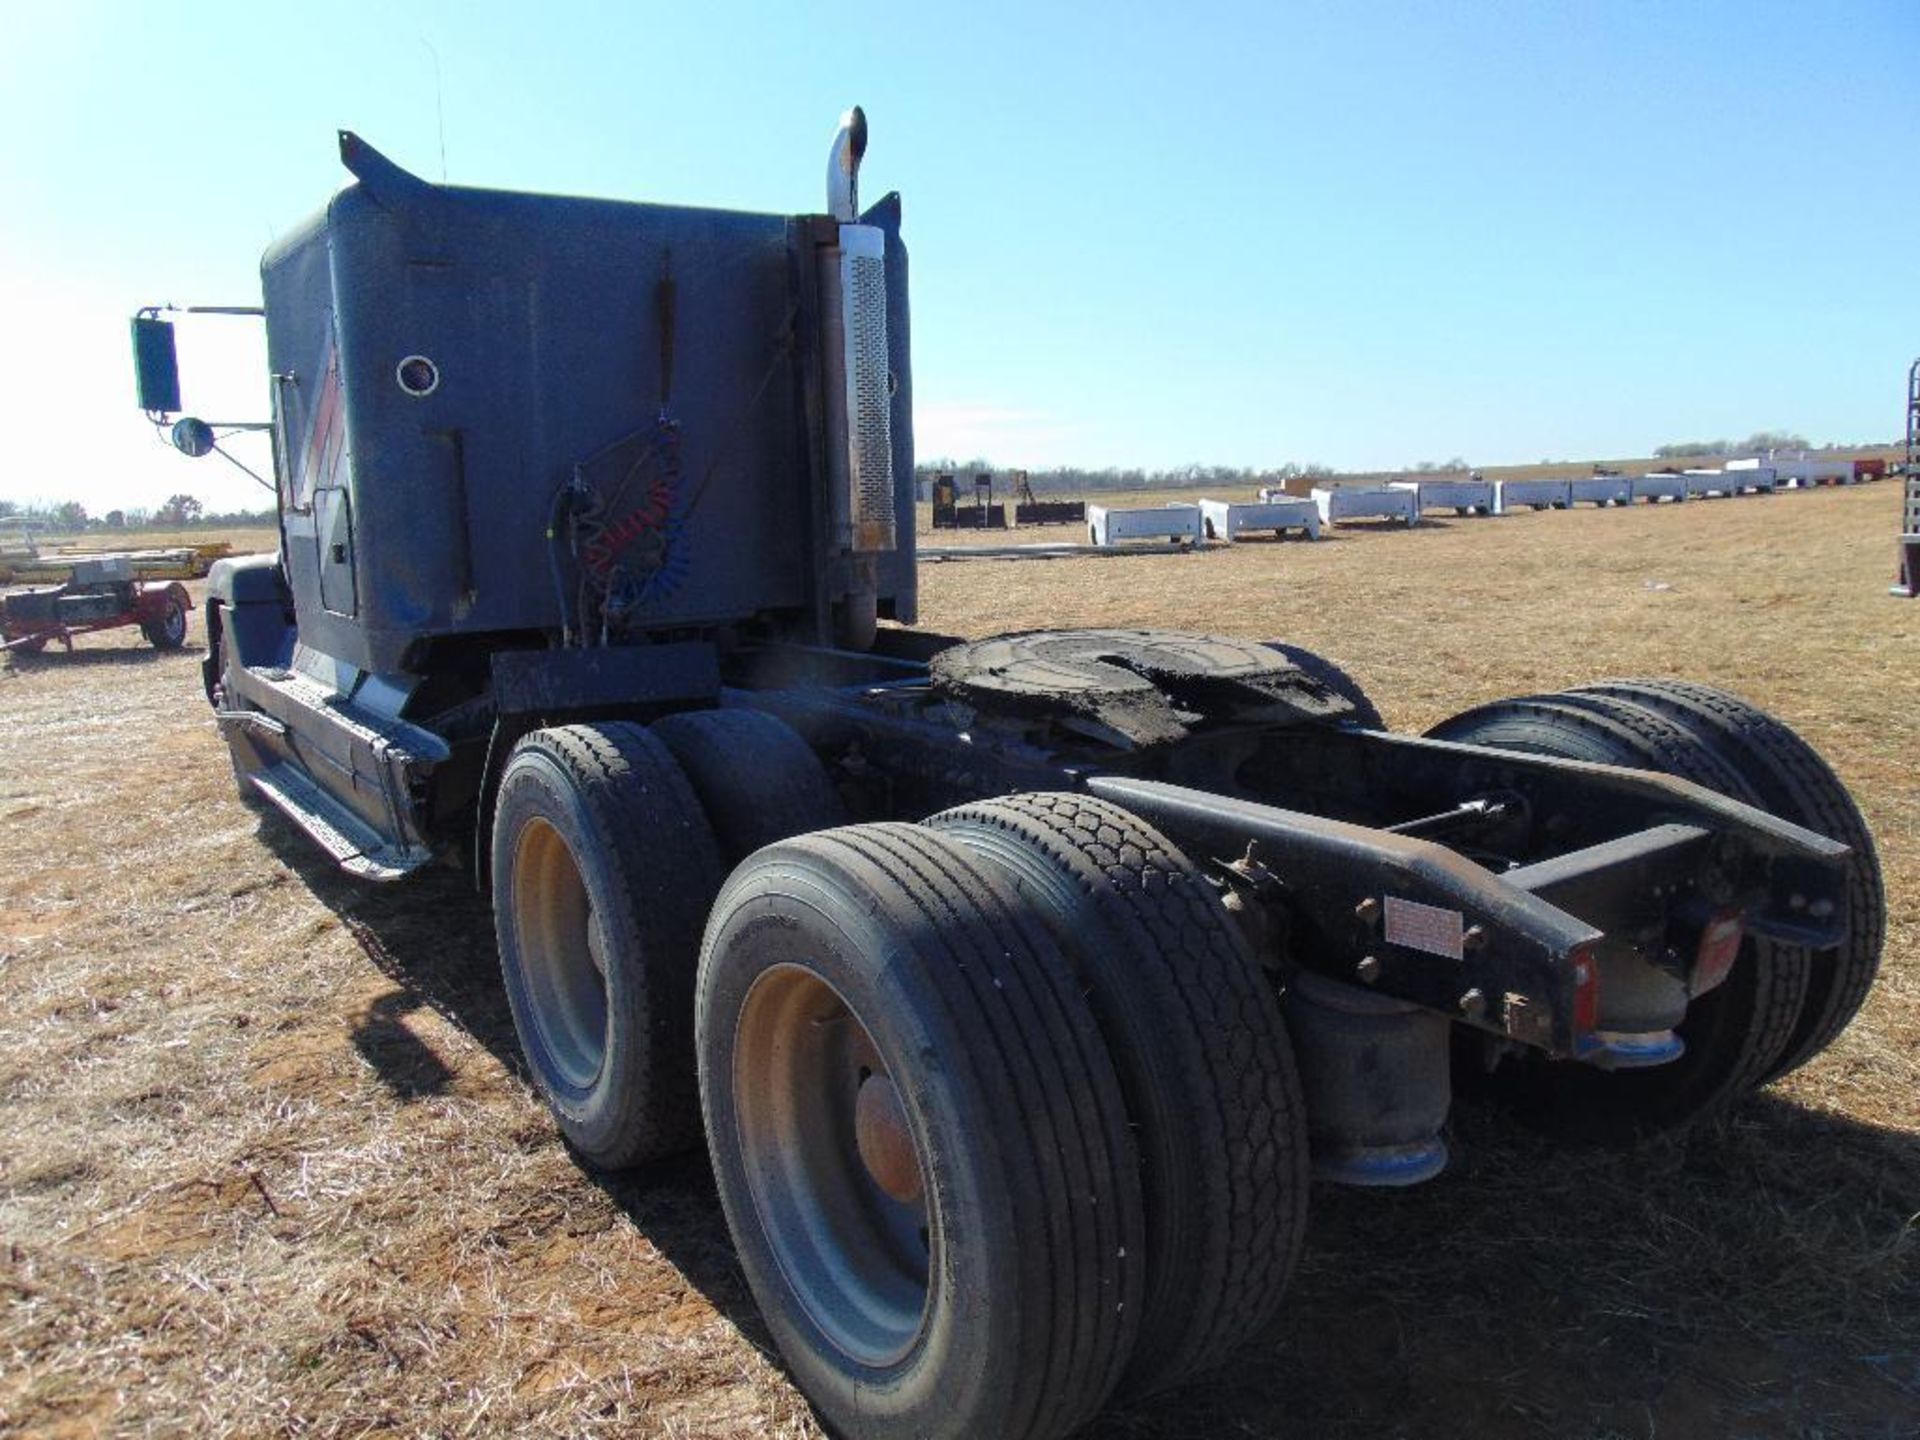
(1514, 495)
(1655, 488)
(1353, 503)
(1107, 526)
(1600, 490)
(1228, 519)
(1463, 497)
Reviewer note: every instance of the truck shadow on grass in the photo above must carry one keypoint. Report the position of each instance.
(432, 936)
(1760, 1278)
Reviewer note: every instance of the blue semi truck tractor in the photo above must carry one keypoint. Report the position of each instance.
(1015, 986)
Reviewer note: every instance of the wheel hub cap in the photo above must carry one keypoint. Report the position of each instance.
(885, 1144)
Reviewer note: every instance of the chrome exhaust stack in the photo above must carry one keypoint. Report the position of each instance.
(859, 385)
(843, 166)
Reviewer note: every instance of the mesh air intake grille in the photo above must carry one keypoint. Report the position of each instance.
(869, 405)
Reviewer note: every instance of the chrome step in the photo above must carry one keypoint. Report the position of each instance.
(359, 849)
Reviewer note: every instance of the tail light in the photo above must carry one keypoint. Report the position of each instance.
(1586, 993)
(1720, 941)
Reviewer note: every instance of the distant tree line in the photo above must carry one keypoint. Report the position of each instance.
(1757, 443)
(1073, 479)
(178, 512)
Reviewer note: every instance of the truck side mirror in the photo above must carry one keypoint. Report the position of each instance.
(192, 437)
(156, 367)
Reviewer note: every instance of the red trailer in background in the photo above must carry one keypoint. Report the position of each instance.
(99, 594)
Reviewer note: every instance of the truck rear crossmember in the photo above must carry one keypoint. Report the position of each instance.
(1553, 876)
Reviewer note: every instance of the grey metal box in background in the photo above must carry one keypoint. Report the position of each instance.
(102, 570)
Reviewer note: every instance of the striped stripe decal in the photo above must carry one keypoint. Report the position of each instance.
(325, 449)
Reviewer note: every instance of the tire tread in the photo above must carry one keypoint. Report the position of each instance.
(665, 868)
(1791, 780)
(1734, 1034)
(1027, 1045)
(757, 779)
(1153, 935)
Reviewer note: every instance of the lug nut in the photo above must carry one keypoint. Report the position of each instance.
(1474, 937)
(1368, 969)
(1473, 1004)
(1367, 912)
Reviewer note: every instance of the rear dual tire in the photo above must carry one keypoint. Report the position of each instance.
(883, 956)
(756, 778)
(1732, 1034)
(1779, 1004)
(1081, 1049)
(1001, 1109)
(1788, 778)
(1201, 1051)
(609, 843)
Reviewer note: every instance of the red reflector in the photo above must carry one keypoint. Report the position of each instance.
(1719, 948)
(1586, 993)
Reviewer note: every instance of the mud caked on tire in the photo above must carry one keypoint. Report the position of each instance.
(603, 867)
(756, 778)
(1202, 1054)
(919, 1140)
(1733, 1034)
(1785, 776)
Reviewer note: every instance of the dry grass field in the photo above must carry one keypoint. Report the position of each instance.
(269, 1165)
(243, 538)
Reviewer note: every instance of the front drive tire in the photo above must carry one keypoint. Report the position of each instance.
(919, 1141)
(756, 778)
(603, 866)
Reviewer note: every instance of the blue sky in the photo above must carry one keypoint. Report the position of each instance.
(1364, 235)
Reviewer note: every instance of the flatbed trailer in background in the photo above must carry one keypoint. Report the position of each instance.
(28, 563)
(1030, 509)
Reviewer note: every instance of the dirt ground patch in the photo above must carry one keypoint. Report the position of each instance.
(269, 1165)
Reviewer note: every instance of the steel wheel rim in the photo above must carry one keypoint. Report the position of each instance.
(561, 953)
(175, 625)
(824, 1133)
